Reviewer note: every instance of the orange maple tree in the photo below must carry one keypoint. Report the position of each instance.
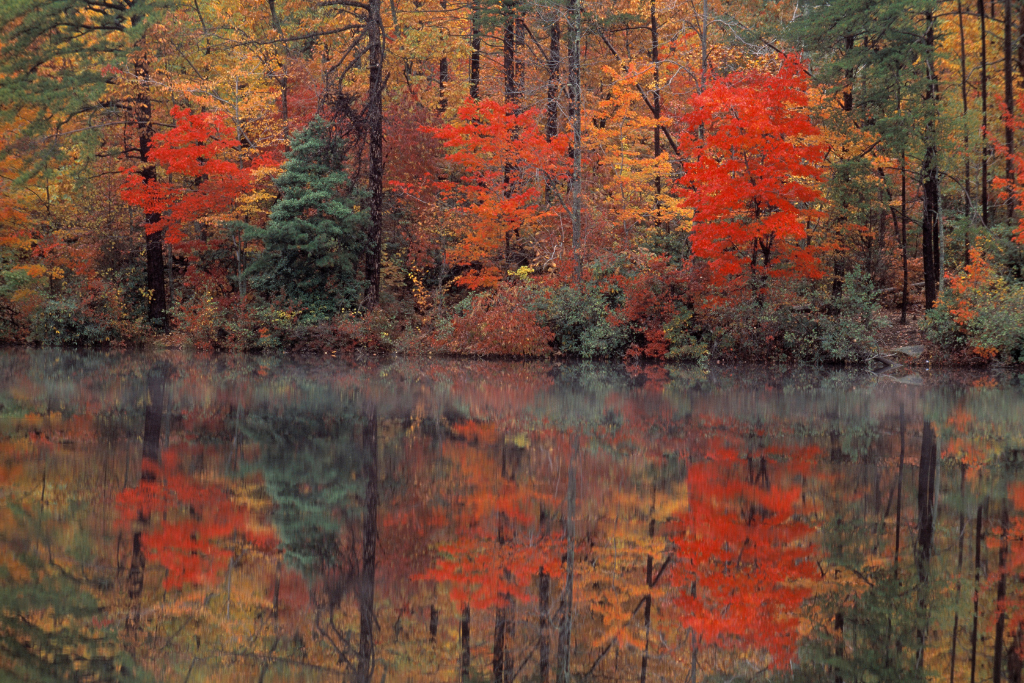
(502, 163)
(750, 174)
(202, 175)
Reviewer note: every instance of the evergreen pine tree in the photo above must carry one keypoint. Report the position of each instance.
(316, 236)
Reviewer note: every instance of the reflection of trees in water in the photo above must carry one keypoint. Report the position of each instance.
(422, 512)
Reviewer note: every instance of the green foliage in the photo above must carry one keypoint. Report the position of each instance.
(981, 310)
(314, 239)
(578, 315)
(69, 321)
(54, 55)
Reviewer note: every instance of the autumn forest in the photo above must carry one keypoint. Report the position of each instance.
(667, 179)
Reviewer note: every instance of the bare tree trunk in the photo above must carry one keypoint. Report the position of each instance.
(155, 278)
(374, 116)
(984, 114)
(930, 224)
(903, 238)
(1008, 98)
(656, 104)
(575, 105)
(474, 57)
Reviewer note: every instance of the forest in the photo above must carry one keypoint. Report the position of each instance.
(658, 179)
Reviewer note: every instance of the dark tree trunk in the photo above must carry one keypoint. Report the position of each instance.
(554, 66)
(374, 117)
(656, 103)
(930, 225)
(575, 117)
(474, 57)
(984, 114)
(155, 277)
(903, 239)
(433, 623)
(1008, 97)
(964, 104)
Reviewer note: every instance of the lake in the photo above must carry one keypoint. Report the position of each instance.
(173, 517)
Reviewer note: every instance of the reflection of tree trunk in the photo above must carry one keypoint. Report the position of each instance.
(926, 527)
(997, 664)
(1014, 662)
(464, 642)
(544, 646)
(959, 574)
(433, 623)
(899, 493)
(647, 604)
(565, 607)
(364, 670)
(151, 428)
(979, 520)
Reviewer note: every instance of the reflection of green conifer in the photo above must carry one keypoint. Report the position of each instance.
(51, 630)
(315, 236)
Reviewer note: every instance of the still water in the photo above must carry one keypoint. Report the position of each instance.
(172, 517)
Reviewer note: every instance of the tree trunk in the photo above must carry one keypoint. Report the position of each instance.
(930, 225)
(374, 117)
(155, 277)
(1008, 98)
(903, 238)
(656, 106)
(984, 115)
(474, 56)
(575, 107)
(964, 103)
(554, 66)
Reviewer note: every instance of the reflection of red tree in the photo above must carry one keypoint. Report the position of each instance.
(745, 558)
(1013, 570)
(188, 523)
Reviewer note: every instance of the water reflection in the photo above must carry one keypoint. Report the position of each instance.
(173, 517)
